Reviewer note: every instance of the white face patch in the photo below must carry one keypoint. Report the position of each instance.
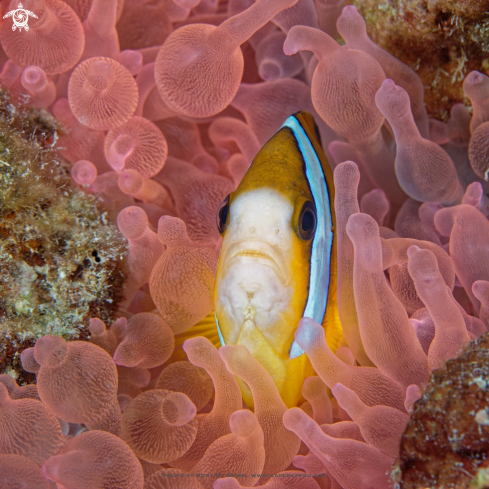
(254, 278)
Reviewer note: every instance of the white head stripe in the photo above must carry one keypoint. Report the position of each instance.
(323, 238)
(221, 338)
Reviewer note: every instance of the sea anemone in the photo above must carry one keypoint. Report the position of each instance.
(126, 383)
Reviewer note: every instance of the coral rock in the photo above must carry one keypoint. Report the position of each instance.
(447, 438)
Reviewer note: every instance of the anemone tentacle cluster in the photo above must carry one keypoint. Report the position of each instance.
(159, 109)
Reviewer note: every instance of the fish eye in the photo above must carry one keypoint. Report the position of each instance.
(222, 215)
(307, 221)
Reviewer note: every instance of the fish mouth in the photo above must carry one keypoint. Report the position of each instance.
(262, 252)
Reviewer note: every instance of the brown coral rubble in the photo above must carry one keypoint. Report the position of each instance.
(446, 442)
(442, 40)
(61, 261)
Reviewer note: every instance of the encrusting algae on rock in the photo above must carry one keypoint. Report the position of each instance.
(442, 40)
(61, 261)
(447, 438)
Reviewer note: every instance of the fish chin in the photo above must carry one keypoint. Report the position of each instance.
(252, 291)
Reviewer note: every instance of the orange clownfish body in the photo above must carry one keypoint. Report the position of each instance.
(277, 262)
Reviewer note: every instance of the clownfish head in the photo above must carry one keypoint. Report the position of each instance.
(276, 260)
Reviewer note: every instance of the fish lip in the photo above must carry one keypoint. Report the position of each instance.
(270, 255)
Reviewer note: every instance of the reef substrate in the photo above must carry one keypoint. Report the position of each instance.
(446, 442)
(61, 261)
(442, 40)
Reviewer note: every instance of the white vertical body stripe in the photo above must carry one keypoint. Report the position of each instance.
(221, 338)
(323, 238)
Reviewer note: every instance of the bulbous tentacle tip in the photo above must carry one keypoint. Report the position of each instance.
(458, 111)
(392, 100)
(270, 70)
(118, 328)
(53, 53)
(102, 93)
(350, 24)
(480, 289)
(351, 12)
(362, 227)
(293, 418)
(94, 459)
(178, 409)
(131, 60)
(304, 38)
(130, 182)
(388, 85)
(200, 351)
(172, 231)
(412, 250)
(473, 194)
(423, 267)
(50, 351)
(84, 172)
(148, 342)
(33, 78)
(339, 390)
(472, 79)
(311, 386)
(363, 230)
(413, 393)
(29, 363)
(139, 145)
(375, 204)
(478, 150)
(427, 212)
(243, 423)
(191, 343)
(124, 356)
(132, 222)
(227, 483)
(346, 175)
(444, 220)
(192, 381)
(96, 326)
(438, 132)
(309, 334)
(62, 110)
(21, 471)
(50, 468)
(290, 46)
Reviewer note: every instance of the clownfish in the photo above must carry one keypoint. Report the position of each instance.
(277, 261)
